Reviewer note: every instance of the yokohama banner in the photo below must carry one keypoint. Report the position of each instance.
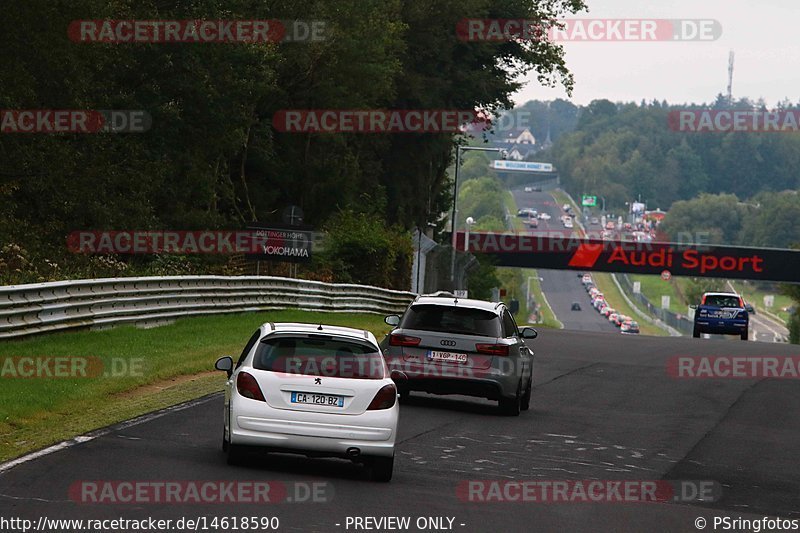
(575, 253)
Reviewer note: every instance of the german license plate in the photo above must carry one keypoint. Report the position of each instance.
(449, 357)
(308, 398)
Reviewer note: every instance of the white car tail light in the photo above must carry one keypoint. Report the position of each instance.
(248, 387)
(385, 398)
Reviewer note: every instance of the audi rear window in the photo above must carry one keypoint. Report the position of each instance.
(451, 319)
(324, 356)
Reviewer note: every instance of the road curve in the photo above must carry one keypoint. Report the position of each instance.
(603, 408)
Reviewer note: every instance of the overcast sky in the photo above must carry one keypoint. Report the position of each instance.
(764, 34)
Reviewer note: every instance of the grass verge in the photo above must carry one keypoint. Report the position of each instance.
(142, 370)
(548, 317)
(653, 287)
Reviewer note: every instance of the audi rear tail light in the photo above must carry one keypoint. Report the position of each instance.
(385, 398)
(492, 349)
(248, 387)
(395, 339)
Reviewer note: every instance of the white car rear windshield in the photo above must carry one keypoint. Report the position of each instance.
(322, 356)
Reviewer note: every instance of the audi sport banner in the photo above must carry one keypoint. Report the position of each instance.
(575, 253)
(281, 243)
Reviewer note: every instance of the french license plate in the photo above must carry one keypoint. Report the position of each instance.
(449, 357)
(317, 399)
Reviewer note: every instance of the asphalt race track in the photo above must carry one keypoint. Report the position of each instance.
(603, 408)
(562, 287)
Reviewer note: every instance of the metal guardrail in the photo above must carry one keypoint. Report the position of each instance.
(59, 305)
(679, 322)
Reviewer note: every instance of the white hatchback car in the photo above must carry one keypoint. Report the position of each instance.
(316, 390)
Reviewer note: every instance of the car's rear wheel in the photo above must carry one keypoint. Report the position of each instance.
(234, 454)
(381, 468)
(743, 336)
(224, 441)
(696, 333)
(526, 398)
(511, 406)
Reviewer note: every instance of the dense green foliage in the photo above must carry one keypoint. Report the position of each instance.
(627, 151)
(212, 158)
(361, 249)
(767, 219)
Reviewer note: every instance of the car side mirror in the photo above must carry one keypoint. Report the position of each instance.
(693, 306)
(392, 320)
(529, 333)
(225, 364)
(749, 308)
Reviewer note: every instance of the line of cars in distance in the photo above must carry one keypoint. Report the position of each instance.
(330, 391)
(532, 216)
(626, 324)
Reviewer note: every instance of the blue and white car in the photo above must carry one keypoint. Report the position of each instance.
(723, 313)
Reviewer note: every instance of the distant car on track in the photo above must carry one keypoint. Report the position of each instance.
(314, 390)
(722, 313)
(629, 328)
(576, 306)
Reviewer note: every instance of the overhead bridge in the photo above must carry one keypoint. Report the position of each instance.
(560, 252)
